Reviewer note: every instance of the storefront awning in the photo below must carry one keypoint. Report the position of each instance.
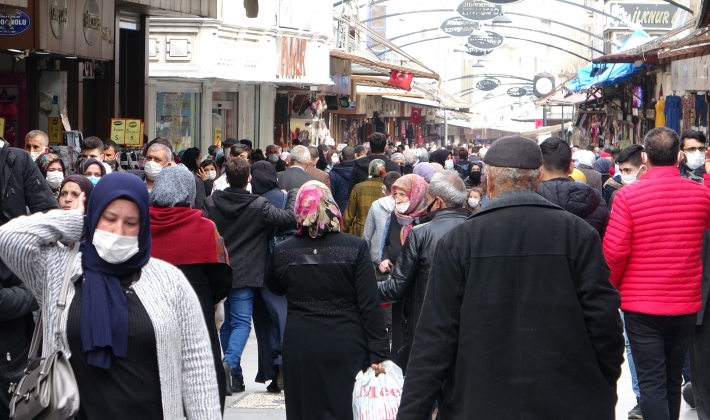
(380, 67)
(414, 101)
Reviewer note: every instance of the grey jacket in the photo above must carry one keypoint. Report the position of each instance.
(376, 226)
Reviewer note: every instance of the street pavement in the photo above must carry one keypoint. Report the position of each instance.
(256, 404)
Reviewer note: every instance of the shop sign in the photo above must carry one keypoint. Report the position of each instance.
(217, 136)
(133, 133)
(479, 10)
(292, 63)
(55, 130)
(493, 40)
(457, 26)
(517, 92)
(647, 15)
(487, 84)
(58, 17)
(118, 130)
(92, 22)
(478, 53)
(15, 24)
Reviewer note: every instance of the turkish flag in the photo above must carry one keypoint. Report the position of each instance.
(416, 116)
(401, 79)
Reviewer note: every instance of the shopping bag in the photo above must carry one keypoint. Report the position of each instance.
(376, 397)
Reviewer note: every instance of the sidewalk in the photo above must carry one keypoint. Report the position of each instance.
(257, 404)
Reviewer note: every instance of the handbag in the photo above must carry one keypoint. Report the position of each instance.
(48, 389)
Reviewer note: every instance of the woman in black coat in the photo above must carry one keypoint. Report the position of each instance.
(334, 327)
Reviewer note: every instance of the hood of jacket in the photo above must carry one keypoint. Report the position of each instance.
(344, 169)
(386, 203)
(578, 199)
(232, 201)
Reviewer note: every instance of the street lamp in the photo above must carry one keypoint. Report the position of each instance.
(489, 96)
(502, 19)
(478, 64)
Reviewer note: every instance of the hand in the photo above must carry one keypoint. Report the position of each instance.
(379, 368)
(204, 175)
(386, 266)
(79, 204)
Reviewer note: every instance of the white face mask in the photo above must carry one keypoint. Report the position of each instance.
(35, 155)
(448, 165)
(630, 179)
(113, 248)
(695, 160)
(402, 207)
(212, 174)
(54, 179)
(152, 169)
(473, 202)
(334, 159)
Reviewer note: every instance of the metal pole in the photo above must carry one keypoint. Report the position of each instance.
(562, 126)
(544, 116)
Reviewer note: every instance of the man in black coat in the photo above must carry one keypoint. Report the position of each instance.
(245, 221)
(407, 282)
(296, 175)
(519, 318)
(557, 187)
(340, 177)
(22, 187)
(377, 141)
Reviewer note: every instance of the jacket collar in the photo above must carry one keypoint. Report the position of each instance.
(445, 213)
(516, 198)
(661, 172)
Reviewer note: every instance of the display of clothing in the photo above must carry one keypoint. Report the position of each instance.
(701, 110)
(688, 105)
(660, 115)
(673, 112)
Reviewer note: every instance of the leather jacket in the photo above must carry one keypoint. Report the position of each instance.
(408, 280)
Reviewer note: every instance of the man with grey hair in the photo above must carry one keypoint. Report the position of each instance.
(410, 161)
(519, 308)
(398, 158)
(158, 157)
(296, 175)
(407, 282)
(36, 143)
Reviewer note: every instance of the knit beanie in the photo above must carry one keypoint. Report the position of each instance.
(174, 186)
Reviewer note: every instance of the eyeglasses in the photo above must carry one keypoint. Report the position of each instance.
(695, 149)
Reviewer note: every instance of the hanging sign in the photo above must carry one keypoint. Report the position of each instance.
(58, 17)
(92, 22)
(478, 53)
(133, 133)
(55, 133)
(479, 10)
(457, 26)
(655, 16)
(15, 24)
(118, 130)
(487, 84)
(517, 92)
(503, 1)
(493, 40)
(217, 136)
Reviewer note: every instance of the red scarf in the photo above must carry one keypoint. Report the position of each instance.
(181, 236)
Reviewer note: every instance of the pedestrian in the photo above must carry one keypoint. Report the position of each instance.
(110, 156)
(378, 218)
(441, 156)
(236, 151)
(51, 166)
(693, 145)
(408, 279)
(246, 221)
(92, 169)
(152, 357)
(603, 166)
(512, 328)
(340, 177)
(463, 166)
(334, 327)
(71, 189)
(376, 142)
(23, 189)
(585, 163)
(424, 170)
(630, 170)
(557, 187)
(295, 176)
(272, 155)
(361, 199)
(475, 199)
(660, 293)
(174, 222)
(314, 166)
(209, 168)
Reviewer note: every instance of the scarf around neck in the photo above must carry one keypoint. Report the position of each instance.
(415, 188)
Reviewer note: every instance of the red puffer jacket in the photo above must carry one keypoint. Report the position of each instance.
(654, 240)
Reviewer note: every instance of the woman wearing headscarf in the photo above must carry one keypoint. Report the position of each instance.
(133, 329)
(173, 223)
(424, 170)
(92, 168)
(441, 156)
(603, 166)
(361, 198)
(269, 312)
(409, 194)
(71, 189)
(335, 327)
(51, 166)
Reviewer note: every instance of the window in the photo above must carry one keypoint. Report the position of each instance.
(178, 118)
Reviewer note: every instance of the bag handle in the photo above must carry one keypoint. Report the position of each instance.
(61, 306)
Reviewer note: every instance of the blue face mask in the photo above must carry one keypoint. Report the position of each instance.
(94, 179)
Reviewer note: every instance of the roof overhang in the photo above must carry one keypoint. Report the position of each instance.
(379, 67)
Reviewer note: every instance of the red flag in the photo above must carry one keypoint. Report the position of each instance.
(401, 79)
(416, 116)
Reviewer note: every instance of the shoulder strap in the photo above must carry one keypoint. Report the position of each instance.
(285, 202)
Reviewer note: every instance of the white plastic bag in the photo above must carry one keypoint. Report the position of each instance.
(377, 397)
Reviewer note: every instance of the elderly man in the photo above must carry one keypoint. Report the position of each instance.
(521, 319)
(407, 282)
(272, 155)
(296, 176)
(315, 172)
(36, 143)
(410, 161)
(656, 265)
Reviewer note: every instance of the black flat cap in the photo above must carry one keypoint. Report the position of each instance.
(514, 152)
(230, 142)
(246, 142)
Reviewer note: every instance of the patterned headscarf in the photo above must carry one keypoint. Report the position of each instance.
(376, 169)
(46, 159)
(316, 211)
(415, 188)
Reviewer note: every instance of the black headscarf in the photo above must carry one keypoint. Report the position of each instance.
(83, 182)
(322, 164)
(87, 162)
(263, 177)
(189, 158)
(439, 156)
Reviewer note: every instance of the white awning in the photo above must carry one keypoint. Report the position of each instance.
(415, 101)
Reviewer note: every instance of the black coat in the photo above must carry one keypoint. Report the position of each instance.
(340, 182)
(408, 280)
(519, 320)
(293, 178)
(246, 222)
(579, 199)
(362, 166)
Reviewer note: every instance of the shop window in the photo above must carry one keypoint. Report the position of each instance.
(178, 118)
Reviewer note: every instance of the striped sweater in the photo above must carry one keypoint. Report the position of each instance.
(29, 246)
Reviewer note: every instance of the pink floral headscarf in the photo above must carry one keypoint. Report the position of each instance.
(415, 188)
(316, 211)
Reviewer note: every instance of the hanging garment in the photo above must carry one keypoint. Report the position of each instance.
(701, 111)
(660, 115)
(688, 105)
(673, 112)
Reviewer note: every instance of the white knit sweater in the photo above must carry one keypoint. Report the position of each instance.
(188, 383)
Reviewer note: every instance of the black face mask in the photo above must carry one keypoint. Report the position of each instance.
(428, 208)
(475, 177)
